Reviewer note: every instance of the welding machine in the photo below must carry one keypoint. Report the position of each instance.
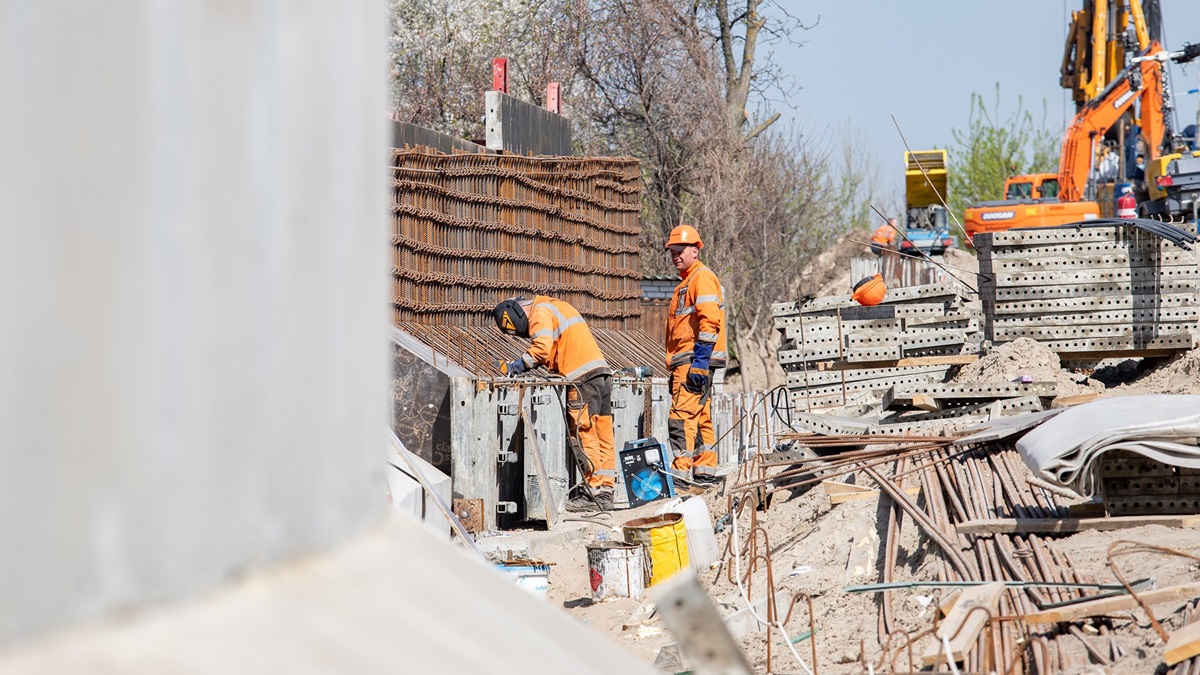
(644, 469)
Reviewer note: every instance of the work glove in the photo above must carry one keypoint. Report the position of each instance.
(699, 377)
(510, 368)
(514, 368)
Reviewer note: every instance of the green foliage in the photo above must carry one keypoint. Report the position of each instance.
(992, 148)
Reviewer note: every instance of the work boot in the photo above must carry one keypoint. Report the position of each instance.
(581, 501)
(707, 480)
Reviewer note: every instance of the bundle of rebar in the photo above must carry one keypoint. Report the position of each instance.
(471, 229)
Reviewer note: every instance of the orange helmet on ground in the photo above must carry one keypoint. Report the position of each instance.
(869, 291)
(684, 234)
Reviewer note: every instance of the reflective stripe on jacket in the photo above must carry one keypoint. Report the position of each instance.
(697, 314)
(884, 235)
(562, 341)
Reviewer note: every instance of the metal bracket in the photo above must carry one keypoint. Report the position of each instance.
(618, 404)
(507, 458)
(510, 409)
(506, 507)
(539, 399)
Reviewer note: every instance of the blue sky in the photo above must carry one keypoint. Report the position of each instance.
(921, 59)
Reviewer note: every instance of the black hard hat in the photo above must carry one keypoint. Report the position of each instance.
(510, 318)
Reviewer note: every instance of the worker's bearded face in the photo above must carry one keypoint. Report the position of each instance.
(682, 256)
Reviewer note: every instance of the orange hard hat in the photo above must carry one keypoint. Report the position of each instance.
(869, 291)
(684, 234)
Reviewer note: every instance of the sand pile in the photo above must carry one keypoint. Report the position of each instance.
(1024, 357)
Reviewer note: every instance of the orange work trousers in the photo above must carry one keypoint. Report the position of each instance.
(590, 405)
(689, 426)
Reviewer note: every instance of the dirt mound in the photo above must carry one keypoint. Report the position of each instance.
(1024, 357)
(829, 274)
(1178, 375)
(961, 261)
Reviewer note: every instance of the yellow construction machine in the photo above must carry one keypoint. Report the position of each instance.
(926, 228)
(1097, 42)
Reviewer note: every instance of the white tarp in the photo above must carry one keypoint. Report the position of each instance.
(1064, 450)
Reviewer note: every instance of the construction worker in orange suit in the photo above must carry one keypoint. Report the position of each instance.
(563, 344)
(884, 237)
(695, 347)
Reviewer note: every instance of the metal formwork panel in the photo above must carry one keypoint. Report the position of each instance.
(545, 407)
(1142, 248)
(1067, 262)
(815, 378)
(1181, 341)
(629, 419)
(1006, 333)
(475, 446)
(1130, 275)
(1149, 287)
(1097, 303)
(904, 393)
(1144, 315)
(724, 416)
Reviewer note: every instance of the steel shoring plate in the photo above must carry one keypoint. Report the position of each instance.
(1129, 275)
(1114, 289)
(1132, 344)
(1098, 303)
(1083, 332)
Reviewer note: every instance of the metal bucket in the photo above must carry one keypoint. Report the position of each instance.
(531, 576)
(616, 569)
(664, 538)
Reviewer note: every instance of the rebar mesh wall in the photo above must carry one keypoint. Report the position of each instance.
(469, 230)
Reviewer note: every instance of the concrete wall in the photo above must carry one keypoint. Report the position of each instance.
(193, 290)
(521, 128)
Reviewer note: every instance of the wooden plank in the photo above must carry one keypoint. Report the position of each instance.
(1078, 399)
(543, 478)
(926, 402)
(1183, 644)
(988, 526)
(963, 626)
(1101, 606)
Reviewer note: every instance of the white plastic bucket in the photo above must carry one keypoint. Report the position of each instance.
(616, 569)
(702, 543)
(533, 578)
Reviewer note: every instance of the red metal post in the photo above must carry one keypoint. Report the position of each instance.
(500, 74)
(554, 98)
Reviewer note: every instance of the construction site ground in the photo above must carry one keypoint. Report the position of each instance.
(812, 542)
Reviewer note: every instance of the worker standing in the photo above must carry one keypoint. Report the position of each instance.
(695, 347)
(563, 344)
(884, 237)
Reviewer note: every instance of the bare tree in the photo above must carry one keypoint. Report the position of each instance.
(685, 88)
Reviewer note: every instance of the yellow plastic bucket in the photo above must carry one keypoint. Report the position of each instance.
(664, 538)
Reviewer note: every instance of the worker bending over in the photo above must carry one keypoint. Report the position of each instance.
(563, 344)
(695, 347)
(884, 237)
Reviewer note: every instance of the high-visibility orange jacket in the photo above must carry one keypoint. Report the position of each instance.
(884, 235)
(697, 314)
(562, 341)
